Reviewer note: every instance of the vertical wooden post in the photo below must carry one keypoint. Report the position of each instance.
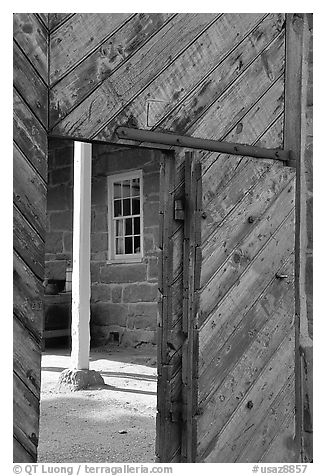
(294, 138)
(81, 285)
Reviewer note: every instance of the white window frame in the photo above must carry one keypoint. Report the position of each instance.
(112, 256)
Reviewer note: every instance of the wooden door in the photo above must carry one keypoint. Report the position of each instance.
(226, 388)
(179, 265)
(30, 153)
(246, 355)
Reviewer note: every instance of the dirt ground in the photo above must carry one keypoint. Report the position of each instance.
(115, 423)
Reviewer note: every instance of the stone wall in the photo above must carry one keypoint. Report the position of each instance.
(124, 296)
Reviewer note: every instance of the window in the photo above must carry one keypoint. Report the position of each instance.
(125, 206)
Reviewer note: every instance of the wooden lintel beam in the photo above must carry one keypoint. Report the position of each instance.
(141, 135)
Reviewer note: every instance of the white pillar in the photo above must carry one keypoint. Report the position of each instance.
(81, 283)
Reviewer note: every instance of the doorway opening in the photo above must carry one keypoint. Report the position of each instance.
(119, 418)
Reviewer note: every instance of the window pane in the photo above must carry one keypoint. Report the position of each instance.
(126, 188)
(117, 208)
(136, 244)
(128, 226)
(135, 206)
(117, 190)
(136, 226)
(119, 246)
(135, 185)
(119, 228)
(128, 245)
(126, 207)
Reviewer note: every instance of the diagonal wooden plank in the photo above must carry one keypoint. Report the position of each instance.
(32, 39)
(245, 90)
(128, 81)
(27, 357)
(78, 37)
(28, 244)
(97, 67)
(187, 117)
(20, 454)
(30, 136)
(29, 192)
(214, 367)
(282, 447)
(216, 49)
(264, 199)
(271, 426)
(272, 307)
(26, 416)
(30, 86)
(57, 19)
(28, 292)
(242, 423)
(44, 18)
(252, 128)
(220, 321)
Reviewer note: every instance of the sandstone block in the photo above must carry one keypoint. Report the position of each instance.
(123, 273)
(140, 293)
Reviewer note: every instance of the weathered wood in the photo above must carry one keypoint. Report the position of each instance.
(267, 197)
(30, 86)
(124, 84)
(29, 193)
(243, 421)
(79, 36)
(262, 343)
(168, 440)
(292, 139)
(27, 357)
(32, 38)
(253, 128)
(44, 18)
(26, 411)
(57, 19)
(256, 275)
(28, 244)
(97, 67)
(192, 240)
(179, 79)
(20, 455)
(30, 174)
(30, 136)
(280, 411)
(246, 90)
(28, 292)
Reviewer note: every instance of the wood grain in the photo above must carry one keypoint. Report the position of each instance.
(28, 244)
(26, 416)
(187, 72)
(29, 135)
(98, 66)
(29, 193)
(30, 86)
(273, 323)
(57, 19)
(28, 292)
(31, 36)
(79, 36)
(27, 358)
(124, 84)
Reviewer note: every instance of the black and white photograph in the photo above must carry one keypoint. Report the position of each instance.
(162, 236)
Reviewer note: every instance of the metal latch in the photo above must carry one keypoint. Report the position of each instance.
(179, 213)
